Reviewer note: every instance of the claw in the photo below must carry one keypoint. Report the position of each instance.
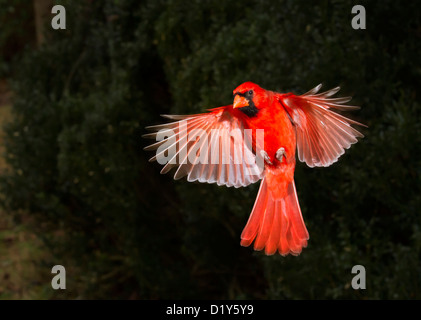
(265, 156)
(280, 154)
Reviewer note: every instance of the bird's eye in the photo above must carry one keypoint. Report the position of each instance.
(250, 92)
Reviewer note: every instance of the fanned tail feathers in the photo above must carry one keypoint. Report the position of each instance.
(276, 224)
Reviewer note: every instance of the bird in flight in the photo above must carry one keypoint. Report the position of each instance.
(257, 138)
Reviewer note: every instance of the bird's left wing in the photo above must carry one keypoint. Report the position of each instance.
(211, 147)
(322, 134)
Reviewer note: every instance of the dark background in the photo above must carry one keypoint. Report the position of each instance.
(78, 180)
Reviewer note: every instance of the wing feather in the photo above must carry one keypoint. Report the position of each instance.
(210, 147)
(322, 134)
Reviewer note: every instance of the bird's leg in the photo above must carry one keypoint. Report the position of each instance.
(265, 156)
(280, 154)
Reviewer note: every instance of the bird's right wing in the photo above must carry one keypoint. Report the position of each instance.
(211, 147)
(322, 134)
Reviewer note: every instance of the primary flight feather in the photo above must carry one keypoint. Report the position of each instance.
(254, 139)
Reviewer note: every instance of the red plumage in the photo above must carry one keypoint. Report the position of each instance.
(256, 138)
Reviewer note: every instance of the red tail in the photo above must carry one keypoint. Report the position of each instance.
(276, 224)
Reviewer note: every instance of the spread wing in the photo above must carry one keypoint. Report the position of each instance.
(322, 134)
(210, 147)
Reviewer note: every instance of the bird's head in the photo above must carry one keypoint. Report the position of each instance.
(249, 98)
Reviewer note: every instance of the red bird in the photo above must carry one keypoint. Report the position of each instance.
(224, 146)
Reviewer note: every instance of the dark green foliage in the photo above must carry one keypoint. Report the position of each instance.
(17, 31)
(83, 100)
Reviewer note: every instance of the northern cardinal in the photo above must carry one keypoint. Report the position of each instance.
(224, 146)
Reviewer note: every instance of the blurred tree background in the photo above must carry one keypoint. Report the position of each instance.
(76, 165)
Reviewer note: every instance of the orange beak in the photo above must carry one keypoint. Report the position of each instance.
(240, 102)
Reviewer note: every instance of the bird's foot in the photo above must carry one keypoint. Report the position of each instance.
(265, 156)
(280, 154)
